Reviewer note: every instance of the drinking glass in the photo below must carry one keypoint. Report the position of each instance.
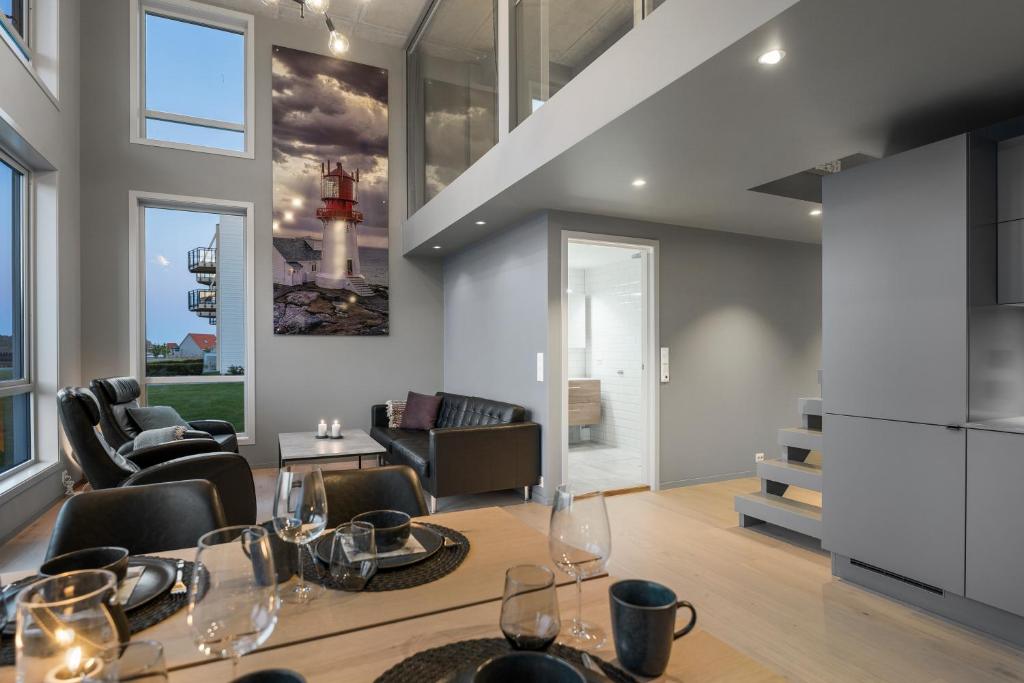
(580, 542)
(300, 516)
(140, 661)
(353, 555)
(232, 602)
(529, 607)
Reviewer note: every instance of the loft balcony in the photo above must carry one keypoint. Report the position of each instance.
(208, 279)
(202, 260)
(203, 302)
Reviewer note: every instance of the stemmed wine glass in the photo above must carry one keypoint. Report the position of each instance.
(300, 516)
(580, 543)
(232, 601)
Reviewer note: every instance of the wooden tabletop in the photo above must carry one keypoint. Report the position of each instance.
(362, 656)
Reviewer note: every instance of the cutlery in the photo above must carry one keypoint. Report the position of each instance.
(179, 586)
(449, 543)
(592, 666)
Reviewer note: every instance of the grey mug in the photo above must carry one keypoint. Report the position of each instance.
(644, 624)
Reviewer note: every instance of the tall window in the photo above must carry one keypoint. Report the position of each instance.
(14, 23)
(453, 95)
(15, 366)
(193, 77)
(197, 332)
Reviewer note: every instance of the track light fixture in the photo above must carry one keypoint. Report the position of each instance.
(337, 42)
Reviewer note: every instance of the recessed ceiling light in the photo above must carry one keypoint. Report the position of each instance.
(771, 57)
(481, 222)
(437, 246)
(639, 182)
(815, 212)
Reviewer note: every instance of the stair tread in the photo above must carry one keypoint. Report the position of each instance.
(798, 437)
(809, 405)
(791, 472)
(811, 512)
(795, 465)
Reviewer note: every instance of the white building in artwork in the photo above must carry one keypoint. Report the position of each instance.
(296, 260)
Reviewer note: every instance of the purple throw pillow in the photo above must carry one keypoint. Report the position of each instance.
(420, 411)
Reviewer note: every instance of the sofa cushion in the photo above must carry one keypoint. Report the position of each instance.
(453, 407)
(420, 411)
(414, 452)
(157, 417)
(473, 411)
(385, 435)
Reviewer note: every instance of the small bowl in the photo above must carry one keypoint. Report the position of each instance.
(390, 528)
(109, 557)
(527, 667)
(271, 676)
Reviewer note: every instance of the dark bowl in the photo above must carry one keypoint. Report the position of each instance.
(271, 676)
(108, 557)
(390, 528)
(527, 667)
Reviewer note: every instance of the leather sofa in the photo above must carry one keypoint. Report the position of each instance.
(115, 395)
(477, 445)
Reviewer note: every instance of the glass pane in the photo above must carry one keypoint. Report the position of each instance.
(195, 135)
(454, 101)
(14, 12)
(11, 318)
(194, 70)
(557, 39)
(15, 431)
(212, 401)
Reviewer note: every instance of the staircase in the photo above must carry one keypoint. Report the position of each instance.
(799, 466)
(357, 284)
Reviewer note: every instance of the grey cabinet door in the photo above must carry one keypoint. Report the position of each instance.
(893, 497)
(995, 519)
(894, 287)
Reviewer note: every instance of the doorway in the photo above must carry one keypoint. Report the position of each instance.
(609, 337)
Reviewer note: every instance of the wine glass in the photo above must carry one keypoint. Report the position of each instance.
(529, 607)
(140, 661)
(232, 600)
(353, 555)
(300, 516)
(580, 542)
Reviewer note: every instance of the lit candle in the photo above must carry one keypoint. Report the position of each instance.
(336, 429)
(321, 429)
(75, 668)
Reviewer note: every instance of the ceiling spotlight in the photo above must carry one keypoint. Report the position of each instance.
(289, 215)
(297, 202)
(437, 246)
(481, 222)
(337, 43)
(317, 5)
(815, 212)
(771, 57)
(639, 182)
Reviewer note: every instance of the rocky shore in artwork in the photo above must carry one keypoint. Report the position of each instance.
(309, 309)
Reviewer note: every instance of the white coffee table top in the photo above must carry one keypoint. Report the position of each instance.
(305, 445)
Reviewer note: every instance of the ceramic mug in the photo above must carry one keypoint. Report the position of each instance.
(643, 624)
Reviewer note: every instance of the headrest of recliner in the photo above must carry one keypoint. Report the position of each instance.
(119, 389)
(83, 399)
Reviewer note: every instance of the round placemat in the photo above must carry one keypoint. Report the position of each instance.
(139, 619)
(441, 662)
(440, 564)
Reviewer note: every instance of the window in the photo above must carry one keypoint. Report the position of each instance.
(192, 84)
(194, 339)
(453, 97)
(14, 24)
(15, 376)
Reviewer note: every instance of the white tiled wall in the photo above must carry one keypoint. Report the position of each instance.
(578, 355)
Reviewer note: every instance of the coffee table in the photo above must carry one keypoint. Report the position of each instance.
(303, 447)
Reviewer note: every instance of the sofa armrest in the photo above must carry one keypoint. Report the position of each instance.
(379, 415)
(228, 472)
(484, 458)
(172, 450)
(213, 426)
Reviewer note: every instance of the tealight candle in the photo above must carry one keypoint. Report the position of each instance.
(336, 429)
(321, 429)
(74, 668)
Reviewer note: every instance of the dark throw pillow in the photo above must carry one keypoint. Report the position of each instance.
(420, 411)
(156, 417)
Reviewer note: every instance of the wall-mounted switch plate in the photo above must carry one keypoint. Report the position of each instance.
(540, 367)
(540, 482)
(664, 364)
(758, 457)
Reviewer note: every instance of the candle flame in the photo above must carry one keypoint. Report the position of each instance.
(73, 659)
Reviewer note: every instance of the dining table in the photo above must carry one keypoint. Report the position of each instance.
(364, 633)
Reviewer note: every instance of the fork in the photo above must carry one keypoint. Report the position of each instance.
(179, 586)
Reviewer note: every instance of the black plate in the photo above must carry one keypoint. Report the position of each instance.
(431, 541)
(156, 580)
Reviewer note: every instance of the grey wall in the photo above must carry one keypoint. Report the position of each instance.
(298, 379)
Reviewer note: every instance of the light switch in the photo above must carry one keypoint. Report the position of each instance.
(540, 367)
(664, 364)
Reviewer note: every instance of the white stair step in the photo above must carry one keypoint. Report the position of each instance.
(809, 406)
(808, 439)
(783, 512)
(791, 472)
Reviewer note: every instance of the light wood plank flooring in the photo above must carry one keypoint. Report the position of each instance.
(764, 591)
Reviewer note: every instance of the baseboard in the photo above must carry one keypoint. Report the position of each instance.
(707, 480)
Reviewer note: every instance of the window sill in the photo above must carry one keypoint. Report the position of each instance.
(192, 148)
(14, 484)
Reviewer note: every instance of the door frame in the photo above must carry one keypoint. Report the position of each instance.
(651, 405)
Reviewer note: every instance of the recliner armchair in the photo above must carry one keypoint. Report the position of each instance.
(173, 461)
(115, 395)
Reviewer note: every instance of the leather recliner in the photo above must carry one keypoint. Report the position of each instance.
(477, 445)
(173, 461)
(116, 395)
(353, 492)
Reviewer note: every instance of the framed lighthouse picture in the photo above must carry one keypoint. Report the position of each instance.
(330, 224)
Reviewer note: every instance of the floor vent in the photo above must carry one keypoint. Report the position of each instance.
(898, 577)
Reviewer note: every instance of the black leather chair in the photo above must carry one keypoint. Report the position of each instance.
(174, 461)
(116, 395)
(478, 445)
(144, 519)
(353, 492)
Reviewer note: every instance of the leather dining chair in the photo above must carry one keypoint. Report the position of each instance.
(173, 461)
(144, 519)
(353, 492)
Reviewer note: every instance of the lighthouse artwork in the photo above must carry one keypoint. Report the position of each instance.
(330, 224)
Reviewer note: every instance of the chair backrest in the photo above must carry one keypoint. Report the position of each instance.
(473, 411)
(79, 414)
(149, 518)
(353, 492)
(115, 395)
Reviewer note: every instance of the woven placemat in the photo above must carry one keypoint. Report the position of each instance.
(440, 564)
(139, 619)
(441, 662)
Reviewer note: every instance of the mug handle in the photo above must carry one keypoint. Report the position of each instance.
(693, 620)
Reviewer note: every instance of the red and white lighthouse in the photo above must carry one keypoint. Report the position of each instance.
(339, 264)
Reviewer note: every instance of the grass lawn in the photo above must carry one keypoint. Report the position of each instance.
(215, 401)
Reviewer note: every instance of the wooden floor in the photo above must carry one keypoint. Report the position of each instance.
(767, 593)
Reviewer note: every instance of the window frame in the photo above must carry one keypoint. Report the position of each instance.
(138, 203)
(19, 40)
(26, 383)
(201, 15)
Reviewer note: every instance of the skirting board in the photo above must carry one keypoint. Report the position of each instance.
(956, 608)
(707, 480)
